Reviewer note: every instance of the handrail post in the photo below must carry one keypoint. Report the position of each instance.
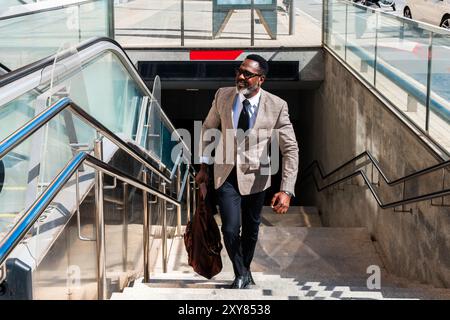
(182, 23)
(346, 32)
(110, 19)
(324, 21)
(194, 197)
(146, 231)
(125, 227)
(252, 23)
(179, 207)
(100, 225)
(375, 58)
(163, 229)
(188, 196)
(427, 103)
(292, 18)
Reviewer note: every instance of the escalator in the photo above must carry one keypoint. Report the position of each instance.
(88, 175)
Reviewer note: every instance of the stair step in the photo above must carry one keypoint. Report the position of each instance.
(119, 296)
(263, 285)
(191, 294)
(296, 216)
(223, 276)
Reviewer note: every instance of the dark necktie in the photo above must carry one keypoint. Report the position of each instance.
(244, 119)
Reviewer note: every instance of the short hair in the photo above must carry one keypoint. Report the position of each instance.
(263, 65)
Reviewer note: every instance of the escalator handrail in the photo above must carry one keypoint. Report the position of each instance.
(22, 72)
(27, 220)
(45, 116)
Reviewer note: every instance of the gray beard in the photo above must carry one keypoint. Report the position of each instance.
(248, 91)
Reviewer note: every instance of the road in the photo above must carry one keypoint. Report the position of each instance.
(314, 8)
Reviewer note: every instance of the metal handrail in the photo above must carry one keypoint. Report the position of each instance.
(65, 103)
(18, 232)
(315, 164)
(379, 169)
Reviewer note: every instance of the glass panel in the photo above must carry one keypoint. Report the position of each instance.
(32, 165)
(218, 23)
(151, 137)
(336, 23)
(168, 145)
(115, 100)
(361, 39)
(69, 272)
(5, 4)
(402, 65)
(16, 113)
(30, 37)
(439, 126)
(123, 209)
(148, 23)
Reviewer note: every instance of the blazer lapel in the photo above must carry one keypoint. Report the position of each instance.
(229, 103)
(261, 110)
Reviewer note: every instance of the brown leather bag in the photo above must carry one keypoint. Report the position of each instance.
(202, 239)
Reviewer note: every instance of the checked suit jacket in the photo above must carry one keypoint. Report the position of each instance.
(251, 155)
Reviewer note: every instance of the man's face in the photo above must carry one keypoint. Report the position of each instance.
(249, 78)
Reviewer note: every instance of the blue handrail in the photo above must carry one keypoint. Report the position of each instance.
(45, 116)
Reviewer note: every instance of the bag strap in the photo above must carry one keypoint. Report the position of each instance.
(203, 190)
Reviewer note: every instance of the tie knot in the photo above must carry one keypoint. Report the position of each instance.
(246, 104)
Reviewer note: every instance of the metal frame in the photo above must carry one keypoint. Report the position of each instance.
(18, 232)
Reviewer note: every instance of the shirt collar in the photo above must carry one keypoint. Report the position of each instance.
(254, 101)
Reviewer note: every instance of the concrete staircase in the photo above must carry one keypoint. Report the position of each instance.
(300, 261)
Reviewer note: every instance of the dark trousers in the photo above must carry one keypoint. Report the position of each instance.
(240, 246)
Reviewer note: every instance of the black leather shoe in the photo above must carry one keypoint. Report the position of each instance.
(241, 282)
(250, 278)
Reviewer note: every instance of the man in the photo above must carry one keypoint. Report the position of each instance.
(241, 182)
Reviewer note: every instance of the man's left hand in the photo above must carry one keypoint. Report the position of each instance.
(280, 202)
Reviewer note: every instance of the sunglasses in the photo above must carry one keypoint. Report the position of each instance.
(247, 74)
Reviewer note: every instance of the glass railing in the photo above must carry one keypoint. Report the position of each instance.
(32, 165)
(219, 23)
(47, 26)
(405, 61)
(101, 80)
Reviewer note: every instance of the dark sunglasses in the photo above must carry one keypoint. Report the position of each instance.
(246, 74)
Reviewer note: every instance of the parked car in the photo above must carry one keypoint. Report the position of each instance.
(378, 4)
(436, 12)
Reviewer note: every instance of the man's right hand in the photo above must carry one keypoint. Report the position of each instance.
(202, 175)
